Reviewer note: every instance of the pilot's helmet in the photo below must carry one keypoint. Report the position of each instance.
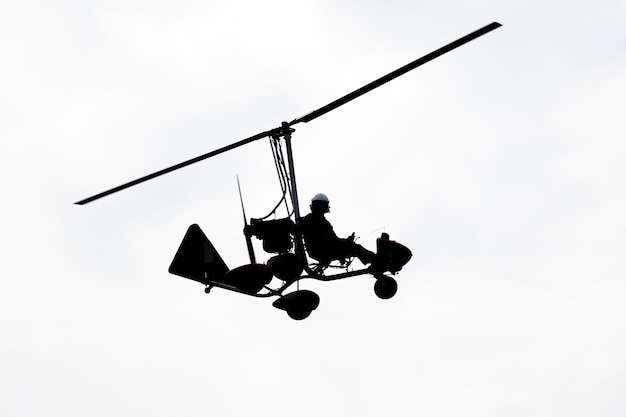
(320, 203)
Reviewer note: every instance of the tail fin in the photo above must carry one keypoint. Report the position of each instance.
(197, 258)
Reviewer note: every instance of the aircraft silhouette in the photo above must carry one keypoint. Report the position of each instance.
(198, 260)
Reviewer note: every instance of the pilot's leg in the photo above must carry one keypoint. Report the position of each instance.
(345, 248)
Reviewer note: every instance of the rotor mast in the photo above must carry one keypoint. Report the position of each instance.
(293, 188)
(292, 172)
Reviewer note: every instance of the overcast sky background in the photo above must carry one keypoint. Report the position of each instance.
(499, 164)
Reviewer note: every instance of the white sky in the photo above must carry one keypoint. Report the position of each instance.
(500, 165)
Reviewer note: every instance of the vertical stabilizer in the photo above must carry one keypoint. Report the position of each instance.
(197, 258)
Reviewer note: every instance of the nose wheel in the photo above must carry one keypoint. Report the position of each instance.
(385, 287)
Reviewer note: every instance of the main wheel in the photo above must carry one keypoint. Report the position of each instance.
(298, 304)
(299, 312)
(385, 287)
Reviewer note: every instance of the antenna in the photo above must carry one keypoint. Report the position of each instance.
(245, 224)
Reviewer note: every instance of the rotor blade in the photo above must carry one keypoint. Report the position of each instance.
(178, 166)
(310, 116)
(392, 75)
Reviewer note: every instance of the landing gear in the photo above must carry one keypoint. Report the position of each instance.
(299, 312)
(385, 287)
(298, 304)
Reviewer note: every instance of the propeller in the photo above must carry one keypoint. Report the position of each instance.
(281, 131)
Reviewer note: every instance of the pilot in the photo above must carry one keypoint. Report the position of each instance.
(321, 241)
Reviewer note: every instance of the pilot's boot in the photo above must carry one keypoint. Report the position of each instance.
(365, 256)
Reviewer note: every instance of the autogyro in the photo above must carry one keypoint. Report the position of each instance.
(295, 253)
